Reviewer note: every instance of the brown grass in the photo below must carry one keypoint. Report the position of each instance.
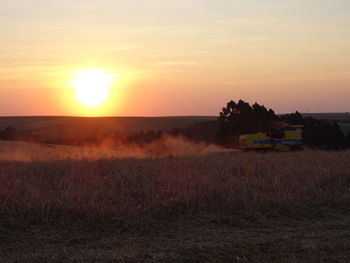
(203, 196)
(215, 183)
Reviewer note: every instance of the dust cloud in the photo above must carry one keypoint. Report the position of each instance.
(166, 146)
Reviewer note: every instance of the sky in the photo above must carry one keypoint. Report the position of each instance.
(183, 57)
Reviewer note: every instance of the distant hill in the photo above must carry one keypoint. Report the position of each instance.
(60, 127)
(52, 127)
(343, 119)
(340, 117)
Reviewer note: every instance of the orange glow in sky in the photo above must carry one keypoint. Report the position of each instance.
(161, 58)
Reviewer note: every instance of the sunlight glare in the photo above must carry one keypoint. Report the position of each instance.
(92, 86)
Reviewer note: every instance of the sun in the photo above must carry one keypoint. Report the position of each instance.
(92, 86)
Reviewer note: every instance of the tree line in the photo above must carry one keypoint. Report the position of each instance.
(242, 118)
(234, 119)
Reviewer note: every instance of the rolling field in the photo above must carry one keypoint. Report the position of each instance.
(22, 151)
(58, 127)
(51, 125)
(53, 128)
(341, 117)
(171, 200)
(168, 146)
(220, 207)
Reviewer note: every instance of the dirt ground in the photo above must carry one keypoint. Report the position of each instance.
(208, 239)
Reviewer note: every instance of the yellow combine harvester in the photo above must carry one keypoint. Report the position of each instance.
(288, 138)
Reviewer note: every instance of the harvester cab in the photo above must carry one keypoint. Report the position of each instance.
(287, 138)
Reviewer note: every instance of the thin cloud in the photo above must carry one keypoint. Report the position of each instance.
(176, 63)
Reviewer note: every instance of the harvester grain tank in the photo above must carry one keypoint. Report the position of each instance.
(279, 139)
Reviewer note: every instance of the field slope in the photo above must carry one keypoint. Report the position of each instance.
(60, 126)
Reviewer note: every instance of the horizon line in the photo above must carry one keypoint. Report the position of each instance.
(140, 116)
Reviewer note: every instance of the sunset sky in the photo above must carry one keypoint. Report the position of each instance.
(183, 57)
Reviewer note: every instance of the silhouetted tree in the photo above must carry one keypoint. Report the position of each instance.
(347, 140)
(205, 131)
(241, 118)
(293, 118)
(321, 134)
(238, 118)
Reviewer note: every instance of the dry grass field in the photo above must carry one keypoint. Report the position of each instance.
(164, 147)
(219, 207)
(171, 200)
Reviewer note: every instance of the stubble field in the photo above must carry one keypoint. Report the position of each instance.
(220, 207)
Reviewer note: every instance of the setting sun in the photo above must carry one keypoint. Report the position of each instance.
(92, 86)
